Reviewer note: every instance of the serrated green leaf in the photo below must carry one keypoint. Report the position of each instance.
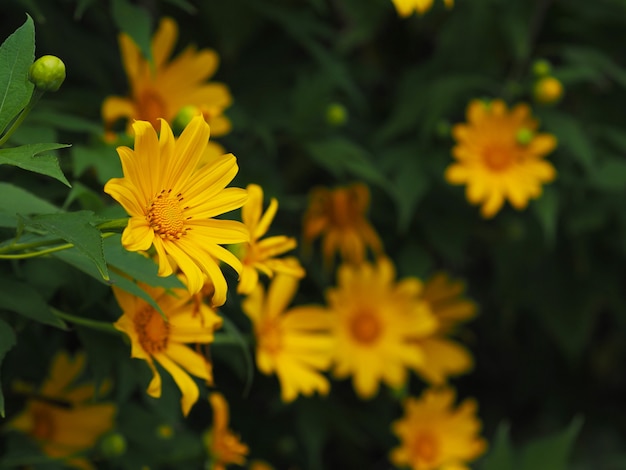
(134, 21)
(136, 266)
(19, 201)
(551, 452)
(7, 341)
(27, 157)
(77, 228)
(17, 53)
(500, 456)
(22, 298)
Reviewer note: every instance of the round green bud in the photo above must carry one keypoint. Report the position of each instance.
(336, 114)
(47, 73)
(541, 68)
(113, 444)
(443, 129)
(524, 136)
(548, 90)
(165, 431)
(184, 117)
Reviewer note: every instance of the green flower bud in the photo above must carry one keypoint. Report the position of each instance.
(541, 68)
(548, 90)
(113, 444)
(47, 73)
(443, 129)
(336, 114)
(524, 136)
(165, 431)
(184, 117)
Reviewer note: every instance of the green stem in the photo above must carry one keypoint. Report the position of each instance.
(34, 254)
(93, 324)
(31, 104)
(113, 224)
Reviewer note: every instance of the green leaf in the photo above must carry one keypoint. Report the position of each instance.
(19, 201)
(7, 341)
(610, 175)
(137, 266)
(184, 5)
(17, 54)
(27, 157)
(551, 452)
(22, 298)
(546, 209)
(500, 456)
(571, 136)
(102, 158)
(134, 21)
(342, 157)
(231, 330)
(77, 228)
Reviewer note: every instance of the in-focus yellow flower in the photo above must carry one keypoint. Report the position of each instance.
(293, 344)
(154, 339)
(444, 357)
(375, 323)
(63, 416)
(407, 7)
(499, 156)
(172, 203)
(339, 216)
(435, 436)
(162, 89)
(223, 445)
(260, 255)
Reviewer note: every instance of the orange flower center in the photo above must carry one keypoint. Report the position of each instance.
(425, 448)
(365, 327)
(151, 107)
(166, 216)
(499, 158)
(343, 209)
(270, 337)
(152, 330)
(43, 424)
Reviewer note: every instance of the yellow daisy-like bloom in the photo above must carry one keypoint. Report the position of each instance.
(172, 202)
(499, 156)
(62, 416)
(223, 445)
(339, 216)
(162, 89)
(407, 7)
(375, 324)
(154, 339)
(293, 344)
(435, 436)
(260, 255)
(442, 356)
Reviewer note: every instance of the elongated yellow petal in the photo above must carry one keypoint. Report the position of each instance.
(187, 386)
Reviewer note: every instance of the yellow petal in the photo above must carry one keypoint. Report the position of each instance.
(185, 383)
(138, 235)
(189, 360)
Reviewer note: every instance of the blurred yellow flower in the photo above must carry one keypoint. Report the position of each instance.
(295, 344)
(442, 356)
(162, 89)
(435, 436)
(499, 156)
(224, 447)
(63, 416)
(548, 90)
(375, 322)
(172, 203)
(154, 339)
(339, 216)
(260, 255)
(407, 7)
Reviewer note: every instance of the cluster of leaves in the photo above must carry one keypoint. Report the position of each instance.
(549, 280)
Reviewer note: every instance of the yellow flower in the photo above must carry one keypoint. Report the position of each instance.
(407, 7)
(224, 447)
(434, 436)
(294, 344)
(495, 161)
(62, 417)
(339, 215)
(162, 89)
(375, 323)
(260, 255)
(442, 356)
(154, 339)
(172, 203)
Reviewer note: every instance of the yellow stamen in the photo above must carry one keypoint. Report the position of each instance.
(365, 327)
(498, 158)
(166, 217)
(152, 330)
(43, 424)
(425, 448)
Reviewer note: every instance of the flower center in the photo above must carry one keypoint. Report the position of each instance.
(270, 337)
(498, 158)
(43, 424)
(152, 330)
(365, 327)
(425, 448)
(151, 107)
(166, 217)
